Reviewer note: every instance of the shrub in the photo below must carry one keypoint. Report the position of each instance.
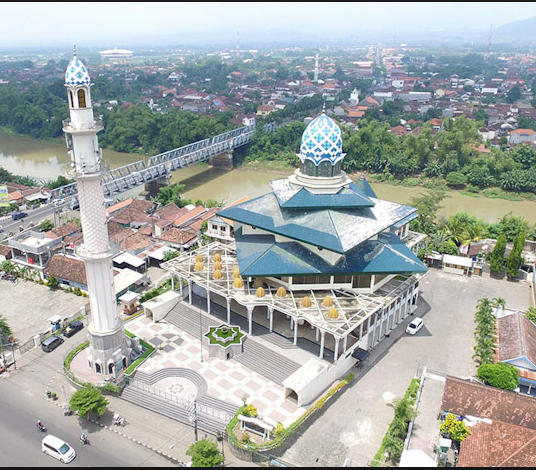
(87, 401)
(53, 282)
(454, 429)
(497, 256)
(500, 375)
(251, 411)
(205, 454)
(456, 178)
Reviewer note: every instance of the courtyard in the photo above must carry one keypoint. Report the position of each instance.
(354, 426)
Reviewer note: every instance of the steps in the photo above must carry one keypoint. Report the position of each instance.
(192, 375)
(260, 359)
(172, 410)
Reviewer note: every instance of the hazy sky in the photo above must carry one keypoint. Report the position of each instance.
(121, 24)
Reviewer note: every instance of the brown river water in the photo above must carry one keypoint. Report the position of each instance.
(46, 160)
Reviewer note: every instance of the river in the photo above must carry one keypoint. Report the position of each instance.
(46, 160)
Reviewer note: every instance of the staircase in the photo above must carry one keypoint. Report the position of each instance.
(266, 362)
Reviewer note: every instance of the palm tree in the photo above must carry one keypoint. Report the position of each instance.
(5, 331)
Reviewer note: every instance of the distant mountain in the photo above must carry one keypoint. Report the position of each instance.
(518, 31)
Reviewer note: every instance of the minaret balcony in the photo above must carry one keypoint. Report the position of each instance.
(94, 126)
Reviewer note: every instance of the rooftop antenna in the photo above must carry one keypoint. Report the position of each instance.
(316, 69)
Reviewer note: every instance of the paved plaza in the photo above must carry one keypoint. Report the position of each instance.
(31, 304)
(227, 380)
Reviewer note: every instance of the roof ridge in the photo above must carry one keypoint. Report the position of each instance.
(519, 449)
(521, 330)
(336, 231)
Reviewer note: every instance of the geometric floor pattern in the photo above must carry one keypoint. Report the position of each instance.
(227, 380)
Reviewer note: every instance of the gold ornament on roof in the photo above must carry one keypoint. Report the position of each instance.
(258, 282)
(216, 258)
(333, 313)
(236, 273)
(260, 292)
(238, 283)
(217, 266)
(328, 301)
(306, 302)
(199, 258)
(217, 274)
(281, 292)
(198, 266)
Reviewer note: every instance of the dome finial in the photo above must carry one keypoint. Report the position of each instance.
(324, 108)
(74, 50)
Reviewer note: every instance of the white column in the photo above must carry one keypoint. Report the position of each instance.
(228, 311)
(181, 280)
(190, 284)
(250, 319)
(322, 340)
(296, 333)
(317, 335)
(271, 313)
(172, 283)
(291, 323)
(336, 354)
(345, 344)
(208, 301)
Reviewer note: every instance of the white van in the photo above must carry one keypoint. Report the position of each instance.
(57, 448)
(414, 326)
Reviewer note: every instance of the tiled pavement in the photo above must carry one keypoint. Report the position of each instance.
(227, 380)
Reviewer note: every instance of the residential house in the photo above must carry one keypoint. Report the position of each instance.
(522, 135)
(220, 227)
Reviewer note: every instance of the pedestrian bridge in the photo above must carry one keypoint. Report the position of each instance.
(160, 166)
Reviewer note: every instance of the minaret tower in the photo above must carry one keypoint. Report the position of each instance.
(109, 348)
(315, 79)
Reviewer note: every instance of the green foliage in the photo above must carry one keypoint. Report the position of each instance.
(88, 401)
(171, 194)
(170, 254)
(5, 331)
(500, 375)
(53, 282)
(8, 267)
(485, 331)
(514, 94)
(205, 454)
(497, 255)
(251, 411)
(531, 314)
(46, 225)
(449, 248)
(428, 205)
(454, 429)
(456, 179)
(515, 260)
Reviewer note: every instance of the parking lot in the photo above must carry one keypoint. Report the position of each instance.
(354, 426)
(26, 306)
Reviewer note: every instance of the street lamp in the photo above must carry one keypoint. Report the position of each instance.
(219, 437)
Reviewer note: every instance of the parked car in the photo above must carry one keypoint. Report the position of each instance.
(72, 328)
(415, 326)
(58, 449)
(51, 343)
(19, 215)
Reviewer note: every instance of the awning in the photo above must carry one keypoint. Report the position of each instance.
(361, 354)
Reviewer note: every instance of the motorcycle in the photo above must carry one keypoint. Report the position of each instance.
(41, 428)
(84, 440)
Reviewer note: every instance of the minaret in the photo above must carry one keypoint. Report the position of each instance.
(315, 80)
(109, 347)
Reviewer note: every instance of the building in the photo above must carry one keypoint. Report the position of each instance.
(319, 251)
(116, 54)
(109, 350)
(522, 135)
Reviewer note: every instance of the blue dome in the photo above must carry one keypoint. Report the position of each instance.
(76, 73)
(322, 141)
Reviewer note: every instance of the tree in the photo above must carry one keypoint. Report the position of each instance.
(88, 401)
(455, 179)
(428, 205)
(8, 267)
(497, 255)
(531, 314)
(171, 194)
(514, 260)
(205, 454)
(454, 428)
(514, 94)
(46, 225)
(53, 282)
(500, 375)
(170, 254)
(5, 331)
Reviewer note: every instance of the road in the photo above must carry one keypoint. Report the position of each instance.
(22, 403)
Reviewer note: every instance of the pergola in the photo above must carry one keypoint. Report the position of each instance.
(215, 268)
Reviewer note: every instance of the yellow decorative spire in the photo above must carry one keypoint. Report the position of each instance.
(236, 273)
(260, 292)
(217, 274)
(333, 313)
(198, 266)
(328, 301)
(216, 258)
(238, 283)
(217, 266)
(281, 292)
(258, 282)
(199, 258)
(306, 302)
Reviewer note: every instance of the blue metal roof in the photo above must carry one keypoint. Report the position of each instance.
(336, 229)
(364, 186)
(261, 255)
(405, 220)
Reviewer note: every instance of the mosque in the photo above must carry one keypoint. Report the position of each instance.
(319, 251)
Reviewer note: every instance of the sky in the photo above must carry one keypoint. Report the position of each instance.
(30, 24)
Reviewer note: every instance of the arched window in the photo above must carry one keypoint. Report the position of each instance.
(81, 99)
(111, 368)
(325, 169)
(337, 168)
(309, 168)
(72, 98)
(97, 368)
